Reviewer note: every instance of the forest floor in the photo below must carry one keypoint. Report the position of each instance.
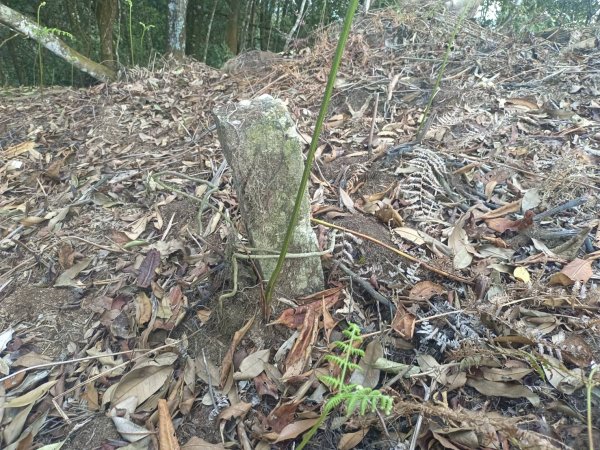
(468, 260)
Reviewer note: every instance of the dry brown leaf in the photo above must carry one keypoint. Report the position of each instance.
(369, 374)
(265, 386)
(235, 411)
(18, 149)
(227, 366)
(404, 322)
(148, 267)
(141, 383)
(424, 290)
(31, 396)
(350, 440)
(197, 443)
(504, 224)
(389, 216)
(252, 365)
(509, 208)
(293, 430)
(498, 389)
(300, 354)
(576, 270)
(294, 318)
(166, 430)
(281, 416)
(496, 374)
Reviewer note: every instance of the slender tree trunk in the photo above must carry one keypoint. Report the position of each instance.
(251, 33)
(208, 30)
(177, 16)
(244, 20)
(299, 19)
(11, 46)
(29, 28)
(231, 35)
(106, 13)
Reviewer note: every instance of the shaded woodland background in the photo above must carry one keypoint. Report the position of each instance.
(124, 33)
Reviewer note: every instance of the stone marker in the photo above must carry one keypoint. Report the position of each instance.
(264, 151)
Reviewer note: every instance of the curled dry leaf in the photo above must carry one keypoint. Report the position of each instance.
(166, 430)
(424, 290)
(197, 443)
(404, 322)
(576, 270)
(235, 411)
(227, 366)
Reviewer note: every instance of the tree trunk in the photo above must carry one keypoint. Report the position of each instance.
(106, 13)
(177, 15)
(231, 38)
(208, 30)
(22, 24)
(251, 26)
(299, 19)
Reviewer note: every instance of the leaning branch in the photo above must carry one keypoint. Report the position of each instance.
(18, 22)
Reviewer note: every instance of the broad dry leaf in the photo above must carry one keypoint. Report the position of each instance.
(347, 201)
(350, 440)
(5, 337)
(235, 411)
(32, 359)
(197, 443)
(424, 290)
(565, 380)
(281, 416)
(300, 354)
(13, 430)
(512, 374)
(531, 199)
(576, 270)
(458, 242)
(368, 375)
(252, 365)
(129, 430)
(293, 430)
(265, 386)
(410, 234)
(66, 279)
(31, 396)
(502, 211)
(142, 383)
(166, 430)
(227, 366)
(499, 389)
(16, 150)
(404, 322)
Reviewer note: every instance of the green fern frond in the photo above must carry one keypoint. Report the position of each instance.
(336, 360)
(59, 32)
(352, 396)
(353, 366)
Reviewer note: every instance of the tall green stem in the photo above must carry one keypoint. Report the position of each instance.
(311, 152)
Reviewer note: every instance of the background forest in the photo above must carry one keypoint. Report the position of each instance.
(121, 33)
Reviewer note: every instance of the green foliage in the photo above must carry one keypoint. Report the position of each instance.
(135, 41)
(146, 29)
(538, 15)
(44, 31)
(351, 396)
(130, 5)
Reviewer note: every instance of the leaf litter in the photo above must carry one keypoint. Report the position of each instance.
(118, 219)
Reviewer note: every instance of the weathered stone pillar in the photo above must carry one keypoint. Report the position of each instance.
(264, 151)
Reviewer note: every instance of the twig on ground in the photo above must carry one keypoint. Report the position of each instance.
(367, 287)
(398, 252)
